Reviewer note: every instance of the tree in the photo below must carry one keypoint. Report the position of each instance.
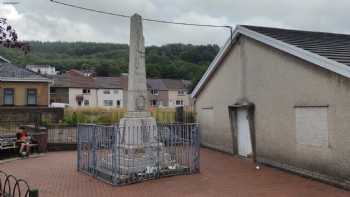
(108, 70)
(9, 38)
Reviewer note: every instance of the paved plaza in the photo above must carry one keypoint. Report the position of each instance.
(55, 175)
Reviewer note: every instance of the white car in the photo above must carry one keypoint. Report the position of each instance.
(59, 105)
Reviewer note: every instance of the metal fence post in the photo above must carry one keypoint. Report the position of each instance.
(156, 129)
(94, 157)
(198, 147)
(114, 158)
(78, 146)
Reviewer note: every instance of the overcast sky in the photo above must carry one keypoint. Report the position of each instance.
(45, 21)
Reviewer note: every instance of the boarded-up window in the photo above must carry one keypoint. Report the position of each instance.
(312, 126)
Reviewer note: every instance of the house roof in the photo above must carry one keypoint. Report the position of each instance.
(327, 50)
(167, 84)
(76, 79)
(39, 66)
(73, 79)
(124, 82)
(156, 84)
(330, 45)
(176, 84)
(108, 82)
(159, 84)
(10, 72)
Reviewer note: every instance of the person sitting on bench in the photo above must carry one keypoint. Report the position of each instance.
(24, 142)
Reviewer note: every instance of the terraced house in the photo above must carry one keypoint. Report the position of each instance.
(24, 95)
(163, 92)
(168, 92)
(78, 90)
(20, 87)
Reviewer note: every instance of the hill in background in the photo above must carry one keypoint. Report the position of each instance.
(176, 61)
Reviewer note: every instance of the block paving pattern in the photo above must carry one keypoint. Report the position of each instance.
(55, 175)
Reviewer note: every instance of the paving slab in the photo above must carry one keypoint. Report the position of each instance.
(55, 175)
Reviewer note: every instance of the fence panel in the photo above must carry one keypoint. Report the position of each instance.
(102, 151)
(62, 135)
(122, 155)
(11, 127)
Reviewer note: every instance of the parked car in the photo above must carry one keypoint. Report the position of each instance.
(59, 105)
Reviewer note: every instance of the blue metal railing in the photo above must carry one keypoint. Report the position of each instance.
(123, 155)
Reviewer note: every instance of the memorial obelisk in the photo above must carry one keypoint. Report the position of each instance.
(139, 141)
(137, 115)
(137, 88)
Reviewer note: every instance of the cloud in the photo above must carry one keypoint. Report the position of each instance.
(42, 20)
(9, 12)
(167, 33)
(261, 20)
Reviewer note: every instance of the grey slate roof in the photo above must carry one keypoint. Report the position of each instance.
(76, 79)
(73, 79)
(156, 84)
(168, 84)
(108, 82)
(330, 45)
(10, 72)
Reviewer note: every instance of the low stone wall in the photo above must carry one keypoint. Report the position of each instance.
(61, 147)
(31, 114)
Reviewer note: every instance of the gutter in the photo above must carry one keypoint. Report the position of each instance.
(25, 80)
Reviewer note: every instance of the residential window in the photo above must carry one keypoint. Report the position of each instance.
(117, 103)
(155, 92)
(179, 102)
(154, 102)
(108, 103)
(115, 91)
(106, 92)
(86, 103)
(86, 91)
(9, 96)
(31, 97)
(52, 90)
(181, 92)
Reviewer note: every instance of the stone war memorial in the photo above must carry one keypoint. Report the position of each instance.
(138, 148)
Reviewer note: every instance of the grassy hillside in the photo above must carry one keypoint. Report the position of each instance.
(176, 61)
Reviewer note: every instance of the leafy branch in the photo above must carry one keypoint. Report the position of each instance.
(9, 37)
